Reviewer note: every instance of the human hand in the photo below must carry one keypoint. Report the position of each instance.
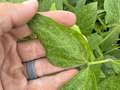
(13, 19)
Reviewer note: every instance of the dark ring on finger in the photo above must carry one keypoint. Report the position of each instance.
(30, 69)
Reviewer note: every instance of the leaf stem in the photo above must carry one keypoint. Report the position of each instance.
(100, 62)
(108, 36)
(112, 50)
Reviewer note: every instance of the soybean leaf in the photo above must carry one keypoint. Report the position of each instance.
(80, 3)
(116, 67)
(59, 4)
(110, 83)
(72, 2)
(112, 8)
(86, 17)
(85, 80)
(90, 1)
(108, 69)
(62, 45)
(115, 53)
(111, 39)
(100, 4)
(53, 7)
(94, 40)
(84, 41)
(46, 4)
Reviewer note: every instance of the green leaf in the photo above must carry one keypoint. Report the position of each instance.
(111, 39)
(100, 4)
(115, 53)
(85, 80)
(110, 83)
(80, 3)
(59, 4)
(53, 7)
(112, 67)
(116, 67)
(62, 44)
(84, 41)
(112, 8)
(94, 40)
(46, 4)
(90, 1)
(86, 17)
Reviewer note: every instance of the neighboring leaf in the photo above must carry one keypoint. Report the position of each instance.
(94, 40)
(59, 4)
(72, 2)
(100, 4)
(90, 1)
(116, 67)
(112, 8)
(84, 41)
(86, 17)
(108, 69)
(85, 80)
(98, 27)
(80, 3)
(46, 4)
(62, 44)
(115, 53)
(110, 83)
(111, 38)
(53, 7)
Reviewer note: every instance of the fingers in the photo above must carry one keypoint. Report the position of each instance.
(52, 82)
(63, 17)
(30, 50)
(21, 32)
(1, 87)
(63, 77)
(18, 14)
(33, 50)
(43, 67)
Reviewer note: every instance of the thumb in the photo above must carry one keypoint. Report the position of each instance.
(22, 13)
(17, 14)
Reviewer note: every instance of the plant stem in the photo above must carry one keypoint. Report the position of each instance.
(100, 62)
(117, 48)
(102, 22)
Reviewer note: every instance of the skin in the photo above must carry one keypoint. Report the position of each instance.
(13, 19)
